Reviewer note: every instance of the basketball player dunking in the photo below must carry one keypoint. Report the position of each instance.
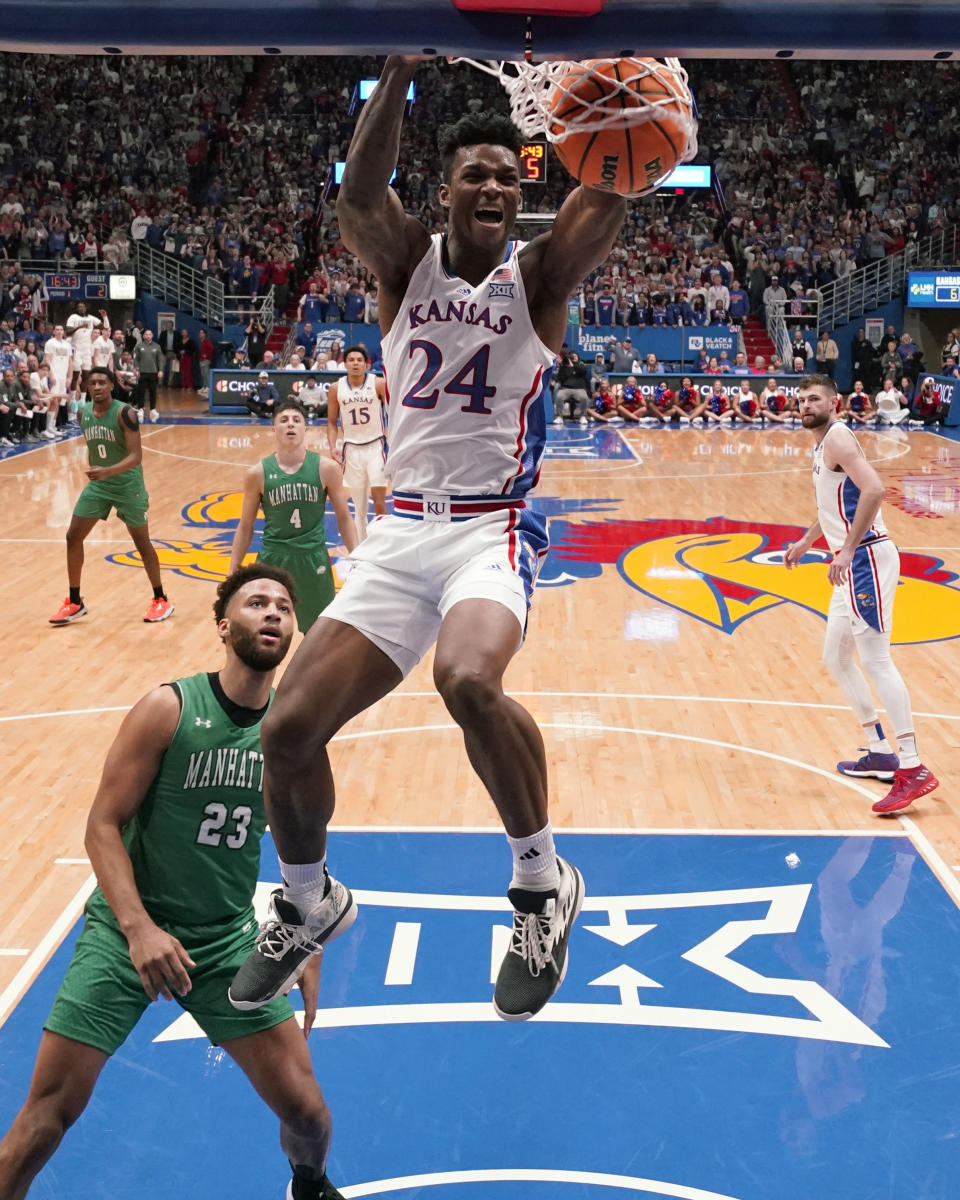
(472, 322)
(864, 573)
(357, 401)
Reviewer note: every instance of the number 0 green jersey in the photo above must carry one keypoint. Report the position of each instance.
(293, 507)
(195, 840)
(106, 439)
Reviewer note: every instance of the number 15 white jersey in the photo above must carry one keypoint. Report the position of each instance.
(361, 411)
(466, 373)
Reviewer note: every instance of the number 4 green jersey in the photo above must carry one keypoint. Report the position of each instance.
(293, 506)
(195, 840)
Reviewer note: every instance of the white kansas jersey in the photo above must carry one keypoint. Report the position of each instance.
(361, 411)
(838, 497)
(80, 329)
(59, 354)
(466, 374)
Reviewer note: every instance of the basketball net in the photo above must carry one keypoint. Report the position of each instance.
(534, 89)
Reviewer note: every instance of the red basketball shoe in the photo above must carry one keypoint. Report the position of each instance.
(909, 784)
(68, 612)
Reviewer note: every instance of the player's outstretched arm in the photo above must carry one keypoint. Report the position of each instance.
(556, 263)
(332, 479)
(371, 218)
(132, 763)
(252, 491)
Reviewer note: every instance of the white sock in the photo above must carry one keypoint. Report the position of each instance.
(907, 744)
(304, 883)
(877, 743)
(535, 861)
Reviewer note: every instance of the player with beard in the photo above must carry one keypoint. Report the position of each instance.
(174, 838)
(472, 322)
(865, 572)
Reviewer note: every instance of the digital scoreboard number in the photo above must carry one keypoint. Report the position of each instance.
(533, 162)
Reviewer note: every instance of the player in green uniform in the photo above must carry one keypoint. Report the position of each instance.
(116, 481)
(174, 838)
(292, 486)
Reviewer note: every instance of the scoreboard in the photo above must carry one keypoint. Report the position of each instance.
(933, 289)
(79, 285)
(89, 285)
(533, 162)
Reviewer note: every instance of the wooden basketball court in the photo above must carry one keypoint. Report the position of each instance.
(674, 668)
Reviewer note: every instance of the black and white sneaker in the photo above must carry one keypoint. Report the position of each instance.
(297, 1189)
(536, 962)
(286, 941)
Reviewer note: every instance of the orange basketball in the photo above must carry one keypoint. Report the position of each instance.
(605, 151)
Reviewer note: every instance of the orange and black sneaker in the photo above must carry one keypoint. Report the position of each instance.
(159, 610)
(68, 612)
(909, 784)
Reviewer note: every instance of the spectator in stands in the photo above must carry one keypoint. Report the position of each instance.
(760, 366)
(606, 306)
(739, 305)
(205, 353)
(950, 368)
(865, 360)
(168, 343)
(295, 363)
(827, 352)
(267, 363)
(713, 367)
(774, 298)
(354, 302)
(909, 353)
(256, 337)
(187, 353)
(313, 398)
(307, 338)
(620, 356)
(261, 397)
(699, 314)
(890, 362)
(951, 348)
(740, 364)
(572, 395)
(651, 365)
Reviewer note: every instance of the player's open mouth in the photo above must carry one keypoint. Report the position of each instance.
(270, 635)
(489, 216)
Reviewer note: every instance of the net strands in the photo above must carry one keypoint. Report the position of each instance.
(535, 89)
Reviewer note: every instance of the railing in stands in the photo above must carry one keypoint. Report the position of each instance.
(846, 299)
(169, 278)
(777, 329)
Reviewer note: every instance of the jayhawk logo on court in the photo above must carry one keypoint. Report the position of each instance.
(723, 572)
(719, 571)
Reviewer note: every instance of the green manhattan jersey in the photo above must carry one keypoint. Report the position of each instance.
(107, 441)
(195, 840)
(293, 506)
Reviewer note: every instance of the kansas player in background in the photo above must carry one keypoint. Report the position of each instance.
(357, 401)
(864, 573)
(471, 322)
(175, 844)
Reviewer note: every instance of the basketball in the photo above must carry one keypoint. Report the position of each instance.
(610, 151)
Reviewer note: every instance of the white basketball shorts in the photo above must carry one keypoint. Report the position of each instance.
(363, 465)
(411, 570)
(866, 598)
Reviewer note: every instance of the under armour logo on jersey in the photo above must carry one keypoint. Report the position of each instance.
(201, 721)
